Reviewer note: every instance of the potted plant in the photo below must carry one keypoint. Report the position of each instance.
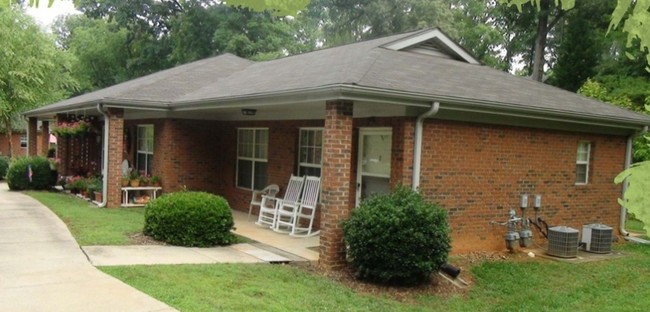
(155, 181)
(98, 190)
(126, 180)
(145, 180)
(135, 178)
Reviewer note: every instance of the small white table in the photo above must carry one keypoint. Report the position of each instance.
(125, 194)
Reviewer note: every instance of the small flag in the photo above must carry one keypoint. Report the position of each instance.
(29, 172)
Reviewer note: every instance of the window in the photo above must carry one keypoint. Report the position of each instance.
(144, 161)
(252, 150)
(23, 140)
(310, 152)
(582, 162)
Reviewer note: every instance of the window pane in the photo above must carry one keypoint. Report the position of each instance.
(310, 171)
(261, 143)
(245, 173)
(141, 164)
(245, 139)
(260, 175)
(583, 152)
(149, 164)
(581, 174)
(318, 153)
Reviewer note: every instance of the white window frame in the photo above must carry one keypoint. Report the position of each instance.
(583, 162)
(301, 163)
(23, 140)
(144, 150)
(253, 159)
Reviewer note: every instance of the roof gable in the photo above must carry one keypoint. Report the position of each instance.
(432, 42)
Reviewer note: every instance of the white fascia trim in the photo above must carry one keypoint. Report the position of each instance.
(433, 34)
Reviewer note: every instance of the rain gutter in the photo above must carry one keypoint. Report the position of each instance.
(417, 148)
(100, 109)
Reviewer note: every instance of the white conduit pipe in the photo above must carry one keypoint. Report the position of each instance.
(417, 148)
(104, 157)
(628, 162)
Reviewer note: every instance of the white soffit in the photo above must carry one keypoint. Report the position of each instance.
(435, 38)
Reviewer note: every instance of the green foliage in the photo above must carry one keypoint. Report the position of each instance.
(4, 165)
(636, 198)
(637, 24)
(18, 174)
(596, 90)
(190, 219)
(397, 238)
(278, 7)
(581, 44)
(33, 71)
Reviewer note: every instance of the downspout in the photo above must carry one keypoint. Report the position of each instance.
(100, 109)
(417, 148)
(628, 162)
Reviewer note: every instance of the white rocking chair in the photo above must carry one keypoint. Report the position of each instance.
(269, 205)
(299, 220)
(270, 191)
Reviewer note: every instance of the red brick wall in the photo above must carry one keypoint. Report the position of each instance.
(115, 157)
(201, 155)
(337, 178)
(477, 173)
(15, 139)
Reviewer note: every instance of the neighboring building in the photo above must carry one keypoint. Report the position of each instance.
(412, 108)
(19, 140)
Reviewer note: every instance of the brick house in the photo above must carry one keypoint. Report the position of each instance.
(412, 108)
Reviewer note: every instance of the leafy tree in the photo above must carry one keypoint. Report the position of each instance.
(32, 70)
(636, 16)
(597, 90)
(348, 21)
(549, 14)
(582, 44)
(277, 7)
(100, 48)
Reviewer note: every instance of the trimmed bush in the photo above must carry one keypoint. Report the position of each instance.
(4, 165)
(18, 176)
(397, 238)
(193, 219)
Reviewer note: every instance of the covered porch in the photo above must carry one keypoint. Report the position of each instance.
(200, 150)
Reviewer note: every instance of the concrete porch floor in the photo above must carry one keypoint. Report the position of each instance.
(303, 247)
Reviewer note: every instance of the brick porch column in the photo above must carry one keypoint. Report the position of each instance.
(115, 157)
(336, 175)
(32, 139)
(45, 138)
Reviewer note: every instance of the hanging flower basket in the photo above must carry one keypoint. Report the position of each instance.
(72, 129)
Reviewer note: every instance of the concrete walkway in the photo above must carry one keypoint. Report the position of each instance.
(43, 269)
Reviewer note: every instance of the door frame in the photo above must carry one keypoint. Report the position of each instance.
(365, 131)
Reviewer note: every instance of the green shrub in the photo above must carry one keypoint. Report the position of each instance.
(397, 238)
(190, 219)
(18, 178)
(4, 165)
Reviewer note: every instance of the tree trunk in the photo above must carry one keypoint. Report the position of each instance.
(9, 132)
(540, 41)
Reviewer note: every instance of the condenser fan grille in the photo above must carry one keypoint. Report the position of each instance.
(597, 238)
(563, 242)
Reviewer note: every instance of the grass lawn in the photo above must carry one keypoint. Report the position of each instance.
(521, 284)
(91, 225)
(518, 285)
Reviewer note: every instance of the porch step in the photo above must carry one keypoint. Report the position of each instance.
(261, 254)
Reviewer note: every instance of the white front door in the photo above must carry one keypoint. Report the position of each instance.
(373, 168)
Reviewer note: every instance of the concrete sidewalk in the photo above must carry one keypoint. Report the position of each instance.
(43, 269)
